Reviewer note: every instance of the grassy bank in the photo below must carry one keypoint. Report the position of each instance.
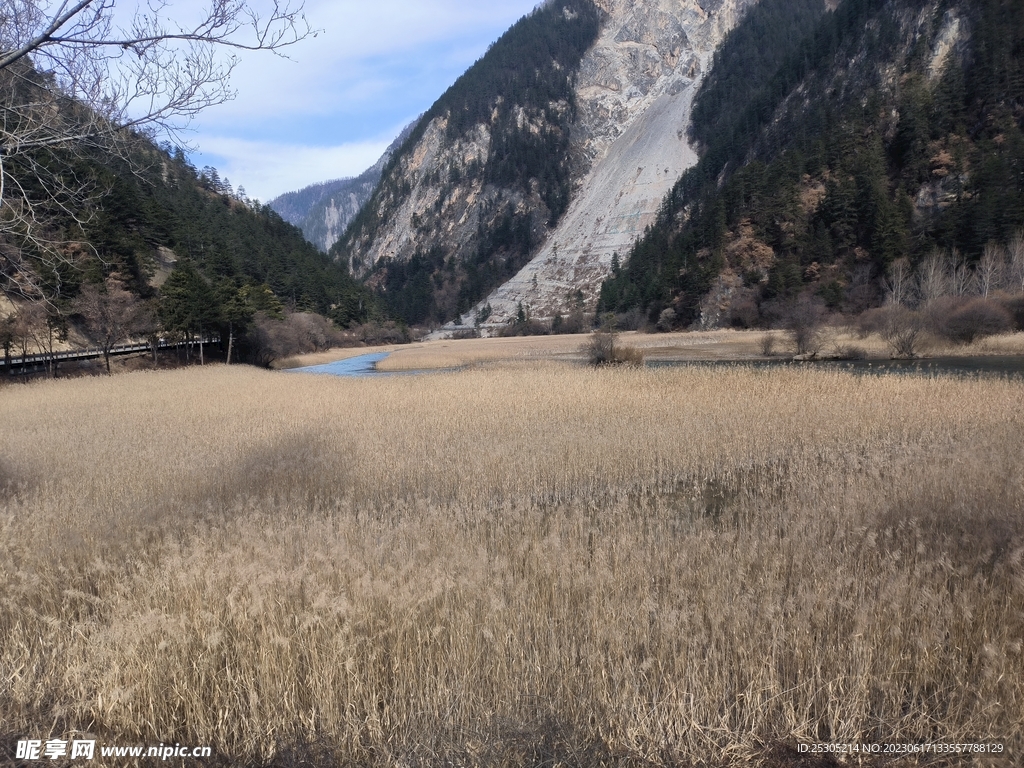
(525, 566)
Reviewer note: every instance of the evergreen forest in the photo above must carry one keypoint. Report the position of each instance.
(200, 255)
(834, 145)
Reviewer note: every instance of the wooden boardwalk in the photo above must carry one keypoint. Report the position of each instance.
(39, 362)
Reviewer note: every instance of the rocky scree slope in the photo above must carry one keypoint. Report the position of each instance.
(634, 93)
(552, 153)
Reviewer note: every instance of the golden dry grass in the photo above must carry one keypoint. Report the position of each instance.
(680, 346)
(532, 566)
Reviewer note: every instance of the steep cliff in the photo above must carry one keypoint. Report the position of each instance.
(552, 153)
(634, 93)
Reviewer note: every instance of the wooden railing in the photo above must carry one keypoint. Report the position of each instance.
(27, 363)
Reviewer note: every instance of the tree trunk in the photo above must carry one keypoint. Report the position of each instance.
(231, 340)
(106, 358)
(201, 340)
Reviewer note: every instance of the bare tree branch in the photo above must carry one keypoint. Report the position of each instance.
(79, 78)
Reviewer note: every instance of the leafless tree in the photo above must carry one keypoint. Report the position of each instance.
(989, 272)
(112, 314)
(25, 325)
(960, 275)
(899, 282)
(932, 278)
(79, 76)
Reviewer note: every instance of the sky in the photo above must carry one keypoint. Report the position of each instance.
(333, 106)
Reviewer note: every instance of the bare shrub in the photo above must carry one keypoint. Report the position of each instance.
(804, 324)
(376, 333)
(870, 321)
(315, 333)
(901, 329)
(1015, 307)
(850, 352)
(297, 333)
(743, 310)
(603, 349)
(633, 320)
(600, 348)
(526, 327)
(975, 319)
(769, 342)
(577, 321)
(667, 319)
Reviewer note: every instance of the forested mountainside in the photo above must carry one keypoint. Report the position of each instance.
(880, 131)
(483, 175)
(164, 208)
(324, 211)
(174, 247)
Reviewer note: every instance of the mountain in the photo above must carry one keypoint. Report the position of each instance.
(880, 132)
(550, 154)
(145, 212)
(324, 211)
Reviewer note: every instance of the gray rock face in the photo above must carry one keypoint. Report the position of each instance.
(634, 92)
(628, 146)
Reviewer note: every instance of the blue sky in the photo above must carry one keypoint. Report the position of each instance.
(332, 108)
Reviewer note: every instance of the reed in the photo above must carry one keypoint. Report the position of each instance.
(529, 565)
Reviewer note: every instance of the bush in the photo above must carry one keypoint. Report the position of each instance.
(850, 352)
(602, 349)
(768, 342)
(870, 321)
(1015, 308)
(575, 322)
(804, 323)
(974, 320)
(901, 328)
(633, 320)
(527, 327)
(667, 320)
(296, 333)
(376, 333)
(743, 311)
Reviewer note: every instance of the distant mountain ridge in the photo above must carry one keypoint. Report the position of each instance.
(323, 211)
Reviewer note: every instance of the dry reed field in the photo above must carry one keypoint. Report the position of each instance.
(678, 346)
(534, 565)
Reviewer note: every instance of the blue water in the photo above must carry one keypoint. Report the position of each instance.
(361, 365)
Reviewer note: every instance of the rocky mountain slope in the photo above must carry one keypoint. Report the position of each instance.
(550, 155)
(885, 133)
(634, 93)
(324, 211)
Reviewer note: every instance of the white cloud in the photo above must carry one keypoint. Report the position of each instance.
(332, 107)
(356, 42)
(268, 169)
